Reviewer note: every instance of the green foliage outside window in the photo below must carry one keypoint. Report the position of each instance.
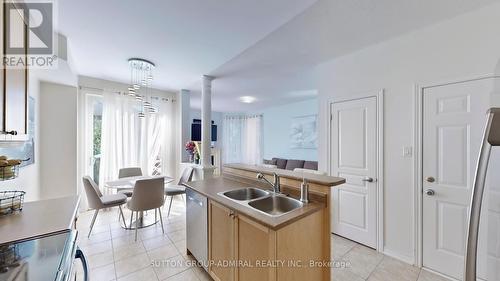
(97, 134)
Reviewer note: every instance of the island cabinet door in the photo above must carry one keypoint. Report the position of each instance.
(255, 251)
(221, 242)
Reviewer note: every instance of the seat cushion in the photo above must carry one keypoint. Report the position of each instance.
(311, 165)
(175, 190)
(270, 162)
(280, 163)
(292, 164)
(114, 199)
(127, 192)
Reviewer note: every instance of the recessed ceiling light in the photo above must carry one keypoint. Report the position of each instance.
(247, 99)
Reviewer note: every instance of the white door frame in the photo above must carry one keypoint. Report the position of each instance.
(418, 159)
(379, 95)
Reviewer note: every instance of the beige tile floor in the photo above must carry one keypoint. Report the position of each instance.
(114, 255)
(364, 263)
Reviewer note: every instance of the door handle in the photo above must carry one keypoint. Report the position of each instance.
(430, 192)
(368, 179)
(430, 179)
(79, 255)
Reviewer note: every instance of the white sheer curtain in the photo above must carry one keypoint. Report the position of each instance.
(120, 135)
(158, 147)
(242, 139)
(130, 141)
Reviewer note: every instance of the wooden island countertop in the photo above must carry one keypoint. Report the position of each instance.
(310, 177)
(211, 187)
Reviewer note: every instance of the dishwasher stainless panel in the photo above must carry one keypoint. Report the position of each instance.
(197, 226)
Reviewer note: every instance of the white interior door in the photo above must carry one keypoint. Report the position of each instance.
(354, 157)
(453, 122)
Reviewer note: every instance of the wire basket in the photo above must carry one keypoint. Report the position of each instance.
(11, 201)
(9, 172)
(9, 257)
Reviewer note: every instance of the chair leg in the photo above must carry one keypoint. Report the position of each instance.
(131, 217)
(136, 227)
(121, 213)
(156, 218)
(170, 206)
(93, 221)
(161, 222)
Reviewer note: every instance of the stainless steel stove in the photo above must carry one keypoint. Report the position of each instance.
(44, 258)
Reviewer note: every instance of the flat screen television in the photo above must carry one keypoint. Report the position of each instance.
(196, 132)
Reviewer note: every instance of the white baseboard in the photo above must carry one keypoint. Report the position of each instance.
(403, 258)
(440, 274)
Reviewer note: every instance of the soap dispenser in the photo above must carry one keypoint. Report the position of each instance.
(304, 191)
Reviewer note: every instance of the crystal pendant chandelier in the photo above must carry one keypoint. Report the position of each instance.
(141, 80)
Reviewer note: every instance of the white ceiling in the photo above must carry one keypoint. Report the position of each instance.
(266, 49)
(185, 38)
(280, 68)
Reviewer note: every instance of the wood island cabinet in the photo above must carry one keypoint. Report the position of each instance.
(242, 249)
(221, 241)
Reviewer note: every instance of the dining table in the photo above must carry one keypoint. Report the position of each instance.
(142, 220)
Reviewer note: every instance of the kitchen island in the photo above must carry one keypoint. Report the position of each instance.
(246, 243)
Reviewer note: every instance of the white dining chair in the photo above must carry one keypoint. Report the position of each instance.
(179, 188)
(97, 201)
(125, 173)
(147, 195)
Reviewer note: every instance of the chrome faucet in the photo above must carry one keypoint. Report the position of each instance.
(276, 185)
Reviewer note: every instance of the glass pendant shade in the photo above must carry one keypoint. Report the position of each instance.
(141, 78)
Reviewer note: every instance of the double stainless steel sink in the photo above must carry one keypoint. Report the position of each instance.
(245, 194)
(268, 203)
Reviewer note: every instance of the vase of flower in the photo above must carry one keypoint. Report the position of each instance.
(193, 150)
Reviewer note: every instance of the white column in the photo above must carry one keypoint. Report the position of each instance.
(185, 122)
(206, 126)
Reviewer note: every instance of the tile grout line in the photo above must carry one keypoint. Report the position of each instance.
(374, 269)
(147, 253)
(342, 256)
(142, 243)
(114, 261)
(361, 277)
(419, 272)
(113, 242)
(180, 254)
(113, 252)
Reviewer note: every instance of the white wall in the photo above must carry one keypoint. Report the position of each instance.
(277, 121)
(462, 47)
(58, 142)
